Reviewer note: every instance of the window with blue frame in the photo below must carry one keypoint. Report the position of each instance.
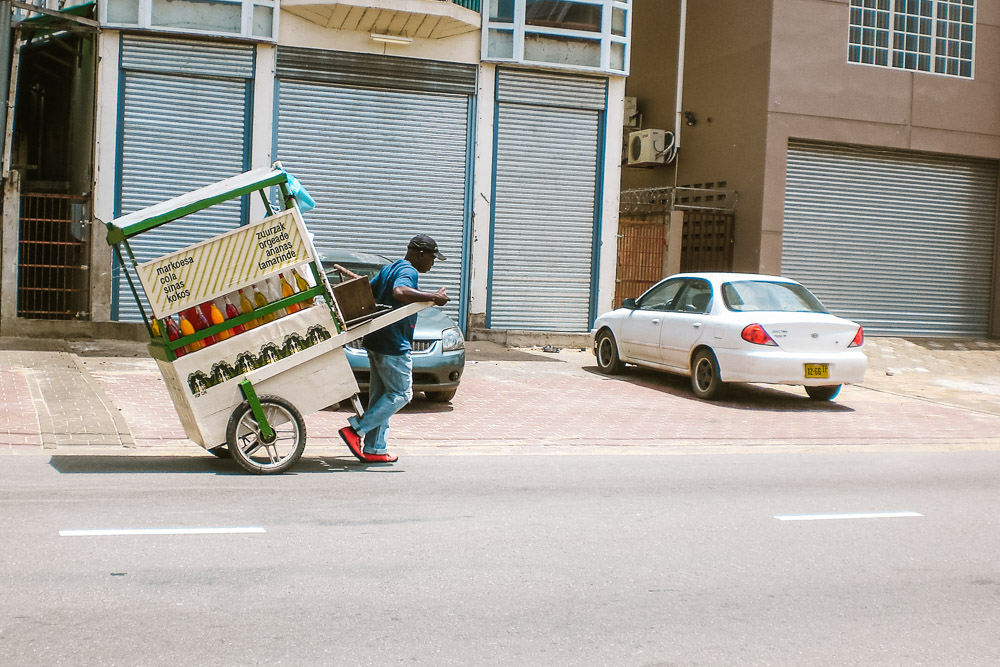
(934, 36)
(575, 34)
(253, 19)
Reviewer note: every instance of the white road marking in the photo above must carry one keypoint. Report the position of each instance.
(858, 515)
(159, 531)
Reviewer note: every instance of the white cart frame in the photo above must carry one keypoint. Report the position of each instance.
(252, 409)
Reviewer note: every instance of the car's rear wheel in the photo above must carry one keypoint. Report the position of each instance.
(705, 380)
(827, 393)
(606, 350)
(441, 396)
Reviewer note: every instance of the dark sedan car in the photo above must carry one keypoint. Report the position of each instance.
(438, 345)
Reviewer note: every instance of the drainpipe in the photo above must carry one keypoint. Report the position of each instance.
(679, 115)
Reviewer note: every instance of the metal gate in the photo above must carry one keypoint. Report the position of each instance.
(707, 241)
(53, 275)
(643, 227)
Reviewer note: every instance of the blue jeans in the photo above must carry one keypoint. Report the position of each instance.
(389, 389)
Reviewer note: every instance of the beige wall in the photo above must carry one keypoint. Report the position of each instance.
(816, 94)
(725, 85)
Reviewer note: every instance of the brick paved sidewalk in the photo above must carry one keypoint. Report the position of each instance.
(915, 395)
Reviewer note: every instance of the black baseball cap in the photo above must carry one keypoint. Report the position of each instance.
(426, 244)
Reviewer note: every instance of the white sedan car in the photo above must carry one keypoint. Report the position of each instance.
(733, 327)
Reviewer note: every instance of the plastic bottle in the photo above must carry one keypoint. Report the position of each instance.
(156, 327)
(286, 291)
(272, 296)
(173, 333)
(231, 312)
(217, 318)
(302, 286)
(201, 323)
(247, 307)
(260, 300)
(186, 330)
(206, 310)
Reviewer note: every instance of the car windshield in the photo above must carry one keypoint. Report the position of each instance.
(759, 295)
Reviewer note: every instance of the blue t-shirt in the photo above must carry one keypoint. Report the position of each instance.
(397, 338)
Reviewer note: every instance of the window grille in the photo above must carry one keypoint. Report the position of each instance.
(935, 36)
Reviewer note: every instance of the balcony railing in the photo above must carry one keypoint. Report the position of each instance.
(474, 5)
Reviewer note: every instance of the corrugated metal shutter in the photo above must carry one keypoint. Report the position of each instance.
(901, 242)
(183, 127)
(368, 70)
(554, 90)
(544, 220)
(382, 165)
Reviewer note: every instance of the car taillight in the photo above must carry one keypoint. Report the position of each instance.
(859, 338)
(754, 333)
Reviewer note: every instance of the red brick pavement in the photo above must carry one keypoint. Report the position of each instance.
(560, 401)
(20, 427)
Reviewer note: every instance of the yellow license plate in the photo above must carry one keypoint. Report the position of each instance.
(817, 370)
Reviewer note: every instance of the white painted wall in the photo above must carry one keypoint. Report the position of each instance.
(105, 154)
(296, 31)
(608, 249)
(482, 191)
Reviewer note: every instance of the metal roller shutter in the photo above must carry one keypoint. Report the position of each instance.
(382, 166)
(183, 127)
(901, 242)
(541, 268)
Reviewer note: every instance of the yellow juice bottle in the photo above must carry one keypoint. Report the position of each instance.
(302, 286)
(247, 307)
(260, 301)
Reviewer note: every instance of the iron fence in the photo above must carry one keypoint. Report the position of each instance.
(53, 246)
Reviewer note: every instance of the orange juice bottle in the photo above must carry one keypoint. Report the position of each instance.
(186, 330)
(247, 307)
(287, 291)
(217, 318)
(260, 300)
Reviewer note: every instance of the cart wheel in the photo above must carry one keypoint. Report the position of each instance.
(253, 452)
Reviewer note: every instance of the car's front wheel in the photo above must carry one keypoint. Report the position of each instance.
(827, 393)
(705, 380)
(606, 350)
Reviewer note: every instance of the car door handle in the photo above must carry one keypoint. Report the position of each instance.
(697, 325)
(656, 321)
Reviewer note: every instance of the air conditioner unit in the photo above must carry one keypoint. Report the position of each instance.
(648, 147)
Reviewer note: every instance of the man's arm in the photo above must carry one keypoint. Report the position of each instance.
(405, 294)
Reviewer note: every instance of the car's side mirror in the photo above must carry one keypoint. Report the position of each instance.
(629, 303)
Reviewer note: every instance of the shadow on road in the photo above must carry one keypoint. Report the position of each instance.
(197, 464)
(735, 396)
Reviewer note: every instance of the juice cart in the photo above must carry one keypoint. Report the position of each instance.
(241, 383)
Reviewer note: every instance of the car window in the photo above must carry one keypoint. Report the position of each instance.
(761, 295)
(660, 297)
(366, 270)
(695, 297)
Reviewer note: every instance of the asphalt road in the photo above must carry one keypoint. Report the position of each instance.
(503, 560)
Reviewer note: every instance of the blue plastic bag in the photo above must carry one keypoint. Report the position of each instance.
(300, 194)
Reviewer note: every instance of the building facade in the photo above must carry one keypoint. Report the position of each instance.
(862, 138)
(486, 126)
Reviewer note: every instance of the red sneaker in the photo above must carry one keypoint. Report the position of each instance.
(378, 458)
(353, 442)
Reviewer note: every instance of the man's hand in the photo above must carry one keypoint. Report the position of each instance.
(441, 297)
(347, 273)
